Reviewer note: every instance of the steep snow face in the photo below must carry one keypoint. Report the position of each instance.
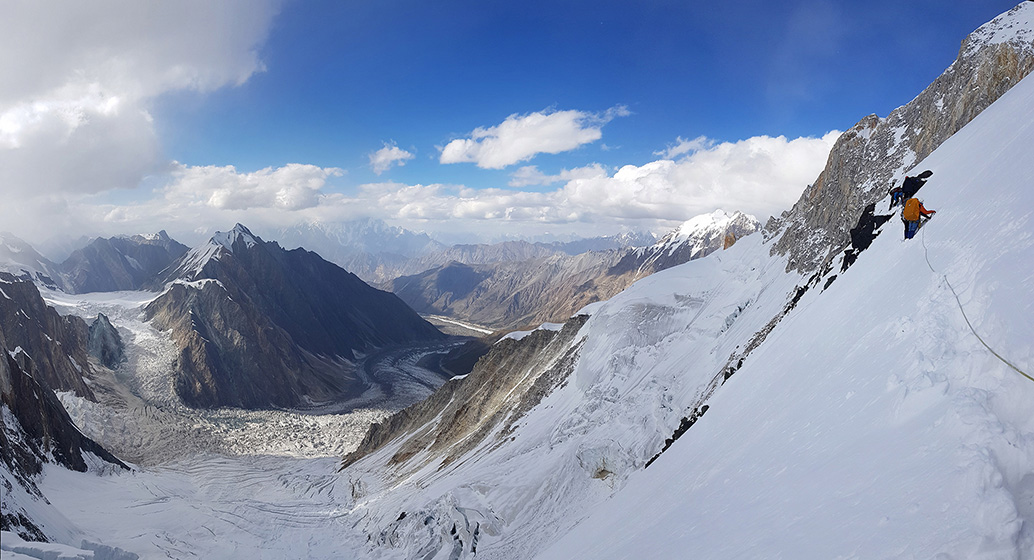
(877, 153)
(873, 423)
(1014, 26)
(700, 230)
(869, 421)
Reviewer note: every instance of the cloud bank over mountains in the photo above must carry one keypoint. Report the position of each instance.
(761, 176)
(78, 139)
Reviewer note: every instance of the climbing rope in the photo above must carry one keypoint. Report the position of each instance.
(926, 252)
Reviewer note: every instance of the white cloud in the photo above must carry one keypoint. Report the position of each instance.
(79, 77)
(530, 175)
(521, 137)
(682, 147)
(760, 176)
(389, 155)
(292, 187)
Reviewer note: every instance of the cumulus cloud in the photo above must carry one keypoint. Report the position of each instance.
(79, 78)
(389, 155)
(762, 176)
(521, 137)
(530, 175)
(292, 187)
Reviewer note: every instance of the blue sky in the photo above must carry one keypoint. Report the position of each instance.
(492, 118)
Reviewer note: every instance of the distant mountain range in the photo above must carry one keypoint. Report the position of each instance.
(103, 265)
(378, 253)
(552, 287)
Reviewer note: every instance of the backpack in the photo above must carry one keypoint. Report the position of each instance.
(911, 211)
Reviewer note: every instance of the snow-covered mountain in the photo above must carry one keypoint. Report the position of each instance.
(257, 325)
(514, 293)
(120, 263)
(20, 259)
(126, 262)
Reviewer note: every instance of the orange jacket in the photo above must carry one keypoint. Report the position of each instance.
(913, 209)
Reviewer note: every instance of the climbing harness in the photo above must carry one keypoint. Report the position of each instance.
(964, 316)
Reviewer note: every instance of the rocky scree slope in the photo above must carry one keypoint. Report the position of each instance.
(877, 152)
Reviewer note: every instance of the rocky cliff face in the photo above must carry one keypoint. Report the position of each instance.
(120, 263)
(56, 344)
(260, 326)
(552, 288)
(105, 343)
(877, 152)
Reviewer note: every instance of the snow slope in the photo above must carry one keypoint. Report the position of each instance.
(873, 423)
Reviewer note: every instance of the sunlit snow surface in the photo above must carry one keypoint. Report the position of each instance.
(873, 424)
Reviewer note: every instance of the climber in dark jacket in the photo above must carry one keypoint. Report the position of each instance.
(897, 194)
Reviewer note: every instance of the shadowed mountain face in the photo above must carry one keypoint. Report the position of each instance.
(56, 344)
(261, 326)
(120, 263)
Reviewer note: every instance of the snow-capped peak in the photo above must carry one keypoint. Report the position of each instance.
(239, 232)
(196, 259)
(706, 225)
(1014, 26)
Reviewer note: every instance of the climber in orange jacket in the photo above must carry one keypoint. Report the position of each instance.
(912, 213)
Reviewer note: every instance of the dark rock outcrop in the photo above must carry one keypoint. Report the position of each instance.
(105, 343)
(507, 382)
(39, 351)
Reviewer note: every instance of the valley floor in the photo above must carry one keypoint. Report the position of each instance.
(224, 483)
